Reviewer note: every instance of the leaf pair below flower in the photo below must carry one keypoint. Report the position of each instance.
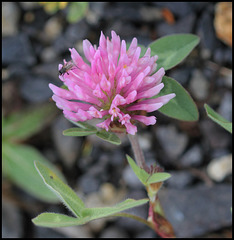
(86, 129)
(145, 177)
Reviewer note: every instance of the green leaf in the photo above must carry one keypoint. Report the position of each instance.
(89, 214)
(172, 49)
(83, 125)
(84, 129)
(63, 191)
(158, 177)
(78, 132)
(22, 125)
(182, 106)
(76, 11)
(145, 177)
(95, 213)
(57, 220)
(18, 166)
(109, 137)
(218, 118)
(140, 173)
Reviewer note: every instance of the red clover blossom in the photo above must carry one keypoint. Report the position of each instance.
(115, 86)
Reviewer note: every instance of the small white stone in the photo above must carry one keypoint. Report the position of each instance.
(219, 168)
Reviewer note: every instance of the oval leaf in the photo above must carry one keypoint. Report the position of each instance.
(172, 49)
(57, 220)
(18, 165)
(83, 125)
(182, 106)
(78, 132)
(218, 118)
(140, 173)
(62, 190)
(158, 177)
(95, 213)
(109, 137)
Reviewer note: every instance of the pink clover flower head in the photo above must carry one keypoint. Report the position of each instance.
(116, 85)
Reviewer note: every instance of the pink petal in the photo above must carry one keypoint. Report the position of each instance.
(105, 84)
(136, 55)
(87, 50)
(95, 113)
(98, 92)
(132, 47)
(123, 48)
(150, 92)
(63, 93)
(79, 116)
(146, 107)
(84, 96)
(104, 124)
(163, 99)
(78, 61)
(102, 41)
(68, 105)
(158, 76)
(125, 118)
(118, 100)
(131, 129)
(146, 120)
(131, 97)
(114, 111)
(116, 49)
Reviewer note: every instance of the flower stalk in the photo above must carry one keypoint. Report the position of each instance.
(156, 218)
(138, 153)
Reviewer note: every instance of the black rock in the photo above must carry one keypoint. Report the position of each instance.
(34, 88)
(68, 148)
(213, 133)
(179, 179)
(74, 33)
(193, 157)
(181, 75)
(183, 25)
(205, 30)
(223, 55)
(12, 221)
(172, 142)
(17, 49)
(180, 9)
(199, 6)
(89, 184)
(197, 211)
(125, 11)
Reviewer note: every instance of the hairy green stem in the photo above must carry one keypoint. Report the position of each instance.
(138, 153)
